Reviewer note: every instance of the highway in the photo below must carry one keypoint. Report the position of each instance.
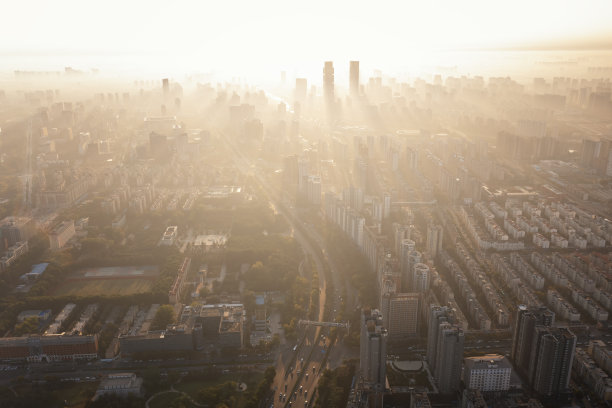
(297, 371)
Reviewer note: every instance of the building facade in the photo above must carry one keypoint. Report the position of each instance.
(490, 372)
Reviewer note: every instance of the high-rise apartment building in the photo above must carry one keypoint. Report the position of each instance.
(373, 349)
(386, 201)
(400, 233)
(541, 353)
(434, 240)
(444, 348)
(420, 278)
(551, 362)
(449, 351)
(403, 315)
(524, 331)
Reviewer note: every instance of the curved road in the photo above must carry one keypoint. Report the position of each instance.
(302, 367)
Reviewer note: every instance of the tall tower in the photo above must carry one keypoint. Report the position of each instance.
(524, 331)
(444, 348)
(434, 240)
(354, 79)
(328, 83)
(301, 86)
(165, 87)
(551, 366)
(436, 315)
(373, 351)
(386, 205)
(449, 351)
(420, 278)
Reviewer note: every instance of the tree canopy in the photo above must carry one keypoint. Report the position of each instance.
(163, 317)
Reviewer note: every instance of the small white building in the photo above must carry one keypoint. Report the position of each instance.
(490, 372)
(169, 235)
(122, 384)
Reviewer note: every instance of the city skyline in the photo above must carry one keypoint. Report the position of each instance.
(395, 37)
(306, 205)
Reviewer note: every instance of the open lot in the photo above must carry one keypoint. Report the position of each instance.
(124, 280)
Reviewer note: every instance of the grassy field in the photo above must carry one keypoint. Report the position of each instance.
(94, 287)
(194, 386)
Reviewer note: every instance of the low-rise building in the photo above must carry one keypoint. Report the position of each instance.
(61, 234)
(169, 236)
(12, 254)
(490, 372)
(41, 315)
(585, 369)
(49, 348)
(35, 273)
(122, 384)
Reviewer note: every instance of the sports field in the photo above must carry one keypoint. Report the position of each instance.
(118, 280)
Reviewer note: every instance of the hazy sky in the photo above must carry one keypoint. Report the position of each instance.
(221, 34)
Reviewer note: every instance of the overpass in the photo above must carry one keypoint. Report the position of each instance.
(346, 325)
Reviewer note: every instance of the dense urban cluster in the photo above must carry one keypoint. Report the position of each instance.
(434, 241)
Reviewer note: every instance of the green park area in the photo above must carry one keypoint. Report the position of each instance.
(97, 287)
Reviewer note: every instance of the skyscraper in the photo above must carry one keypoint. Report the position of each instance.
(165, 87)
(444, 348)
(406, 247)
(386, 205)
(524, 331)
(328, 82)
(420, 278)
(400, 232)
(449, 357)
(414, 258)
(373, 349)
(403, 315)
(434, 240)
(551, 364)
(354, 79)
(388, 289)
(301, 86)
